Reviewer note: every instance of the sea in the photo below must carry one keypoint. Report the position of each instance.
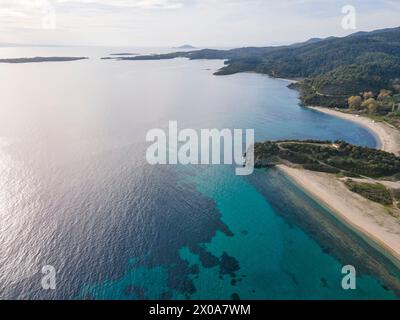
(77, 194)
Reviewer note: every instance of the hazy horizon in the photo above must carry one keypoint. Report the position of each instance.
(168, 23)
(3, 44)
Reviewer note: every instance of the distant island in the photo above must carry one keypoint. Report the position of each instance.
(123, 54)
(41, 59)
(185, 46)
(118, 56)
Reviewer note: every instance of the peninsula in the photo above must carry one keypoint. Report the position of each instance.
(329, 69)
(123, 54)
(356, 78)
(41, 59)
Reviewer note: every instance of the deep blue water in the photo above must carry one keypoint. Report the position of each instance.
(79, 195)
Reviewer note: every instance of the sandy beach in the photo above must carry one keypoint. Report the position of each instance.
(388, 137)
(371, 220)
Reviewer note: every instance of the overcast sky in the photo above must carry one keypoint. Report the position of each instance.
(175, 22)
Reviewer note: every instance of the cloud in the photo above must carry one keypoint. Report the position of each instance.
(29, 14)
(15, 7)
(200, 22)
(141, 4)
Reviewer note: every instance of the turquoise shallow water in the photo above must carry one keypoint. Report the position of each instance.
(279, 260)
(268, 257)
(79, 195)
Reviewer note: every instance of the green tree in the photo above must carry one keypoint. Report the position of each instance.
(355, 102)
(371, 105)
(368, 95)
(384, 95)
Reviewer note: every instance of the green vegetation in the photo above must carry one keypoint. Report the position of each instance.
(330, 69)
(383, 106)
(338, 158)
(372, 191)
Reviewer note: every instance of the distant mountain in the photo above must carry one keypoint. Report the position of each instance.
(312, 40)
(186, 46)
(375, 32)
(331, 69)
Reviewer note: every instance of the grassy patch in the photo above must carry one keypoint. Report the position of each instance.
(372, 191)
(339, 157)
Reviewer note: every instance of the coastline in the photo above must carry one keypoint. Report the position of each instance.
(369, 219)
(388, 137)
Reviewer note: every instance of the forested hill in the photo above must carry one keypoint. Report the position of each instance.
(331, 69)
